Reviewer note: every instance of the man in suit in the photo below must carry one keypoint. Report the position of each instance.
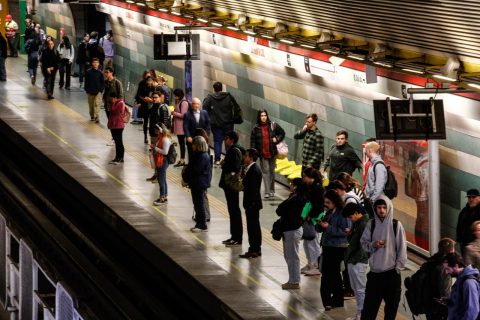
(252, 203)
(193, 119)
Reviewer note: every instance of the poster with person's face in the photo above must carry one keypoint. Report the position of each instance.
(410, 163)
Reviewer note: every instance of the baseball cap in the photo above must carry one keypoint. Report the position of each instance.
(473, 193)
(8, 18)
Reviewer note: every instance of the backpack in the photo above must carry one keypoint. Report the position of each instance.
(126, 115)
(172, 154)
(419, 293)
(361, 205)
(372, 227)
(391, 186)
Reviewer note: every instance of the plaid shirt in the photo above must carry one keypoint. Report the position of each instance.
(312, 147)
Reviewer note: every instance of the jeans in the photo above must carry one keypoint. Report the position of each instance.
(3, 70)
(236, 227)
(268, 172)
(119, 148)
(331, 289)
(312, 250)
(198, 197)
(253, 229)
(383, 285)
(65, 70)
(218, 136)
(162, 178)
(291, 246)
(50, 81)
(32, 63)
(358, 280)
(82, 67)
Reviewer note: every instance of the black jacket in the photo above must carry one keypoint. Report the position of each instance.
(342, 159)
(290, 212)
(190, 124)
(82, 56)
(466, 218)
(231, 163)
(252, 199)
(94, 81)
(315, 195)
(274, 131)
(221, 107)
(3, 47)
(49, 59)
(201, 171)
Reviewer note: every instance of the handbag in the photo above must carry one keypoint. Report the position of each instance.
(282, 149)
(158, 160)
(187, 175)
(277, 232)
(309, 232)
(234, 181)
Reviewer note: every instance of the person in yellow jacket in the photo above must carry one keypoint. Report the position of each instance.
(11, 29)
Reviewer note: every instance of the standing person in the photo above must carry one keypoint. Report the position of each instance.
(231, 164)
(106, 42)
(224, 112)
(195, 118)
(377, 174)
(352, 185)
(342, 157)
(464, 298)
(32, 45)
(312, 155)
(252, 203)
(334, 242)
(202, 171)
(264, 137)
(384, 239)
(315, 193)
(82, 58)
(94, 86)
(160, 150)
(3, 56)
(471, 253)
(67, 53)
(290, 212)
(139, 106)
(162, 83)
(49, 62)
(11, 29)
(469, 214)
(116, 126)
(367, 163)
(29, 29)
(355, 257)
(157, 118)
(94, 50)
(112, 85)
(181, 108)
(201, 132)
(146, 105)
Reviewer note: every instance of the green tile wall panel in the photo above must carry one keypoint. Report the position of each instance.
(272, 108)
(242, 98)
(357, 108)
(237, 69)
(251, 87)
(296, 118)
(460, 179)
(462, 142)
(369, 129)
(450, 195)
(449, 216)
(343, 120)
(146, 50)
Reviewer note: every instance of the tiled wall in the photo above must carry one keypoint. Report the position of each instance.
(54, 17)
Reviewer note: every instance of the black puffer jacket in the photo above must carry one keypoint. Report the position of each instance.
(221, 107)
(274, 131)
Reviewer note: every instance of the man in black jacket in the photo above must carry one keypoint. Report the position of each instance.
(94, 86)
(342, 157)
(252, 203)
(224, 111)
(469, 214)
(50, 60)
(3, 56)
(193, 119)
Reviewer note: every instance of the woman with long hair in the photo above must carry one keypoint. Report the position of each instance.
(160, 151)
(67, 53)
(181, 108)
(314, 193)
(116, 126)
(334, 242)
(264, 137)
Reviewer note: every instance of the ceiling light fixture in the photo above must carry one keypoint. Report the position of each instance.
(356, 57)
(330, 51)
(162, 9)
(141, 4)
(444, 78)
(473, 85)
(250, 32)
(202, 20)
(413, 71)
(176, 13)
(266, 36)
(233, 28)
(287, 41)
(307, 46)
(130, 1)
(217, 24)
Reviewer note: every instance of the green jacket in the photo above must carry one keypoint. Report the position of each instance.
(354, 253)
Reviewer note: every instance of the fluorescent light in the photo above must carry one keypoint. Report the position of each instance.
(266, 36)
(176, 13)
(330, 51)
(356, 57)
(163, 9)
(444, 78)
(202, 20)
(413, 71)
(383, 64)
(141, 4)
(473, 85)
(250, 32)
(307, 46)
(217, 24)
(287, 41)
(233, 28)
(188, 16)
(130, 1)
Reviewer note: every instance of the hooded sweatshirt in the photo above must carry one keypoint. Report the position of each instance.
(221, 107)
(376, 180)
(469, 308)
(394, 255)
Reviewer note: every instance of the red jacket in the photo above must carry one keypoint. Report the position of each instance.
(115, 121)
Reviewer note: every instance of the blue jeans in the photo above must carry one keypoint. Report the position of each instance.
(3, 71)
(32, 63)
(218, 136)
(162, 177)
(291, 246)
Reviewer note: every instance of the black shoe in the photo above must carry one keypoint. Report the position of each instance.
(249, 255)
(226, 241)
(145, 141)
(152, 178)
(233, 243)
(179, 164)
(67, 88)
(49, 97)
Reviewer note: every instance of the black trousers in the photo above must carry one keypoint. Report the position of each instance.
(65, 70)
(119, 148)
(181, 143)
(50, 81)
(236, 227)
(331, 289)
(146, 117)
(385, 286)
(254, 230)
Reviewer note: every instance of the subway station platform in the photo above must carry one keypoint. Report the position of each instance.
(65, 122)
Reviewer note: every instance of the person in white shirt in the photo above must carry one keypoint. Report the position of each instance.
(67, 53)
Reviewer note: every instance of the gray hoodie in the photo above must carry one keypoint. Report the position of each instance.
(376, 180)
(394, 255)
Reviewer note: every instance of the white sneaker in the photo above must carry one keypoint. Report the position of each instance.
(272, 194)
(111, 143)
(305, 269)
(313, 271)
(266, 196)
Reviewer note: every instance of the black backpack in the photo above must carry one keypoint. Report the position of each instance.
(172, 154)
(419, 293)
(391, 186)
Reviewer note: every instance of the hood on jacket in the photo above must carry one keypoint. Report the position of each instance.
(220, 95)
(389, 217)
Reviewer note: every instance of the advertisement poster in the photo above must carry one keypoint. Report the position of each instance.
(410, 163)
